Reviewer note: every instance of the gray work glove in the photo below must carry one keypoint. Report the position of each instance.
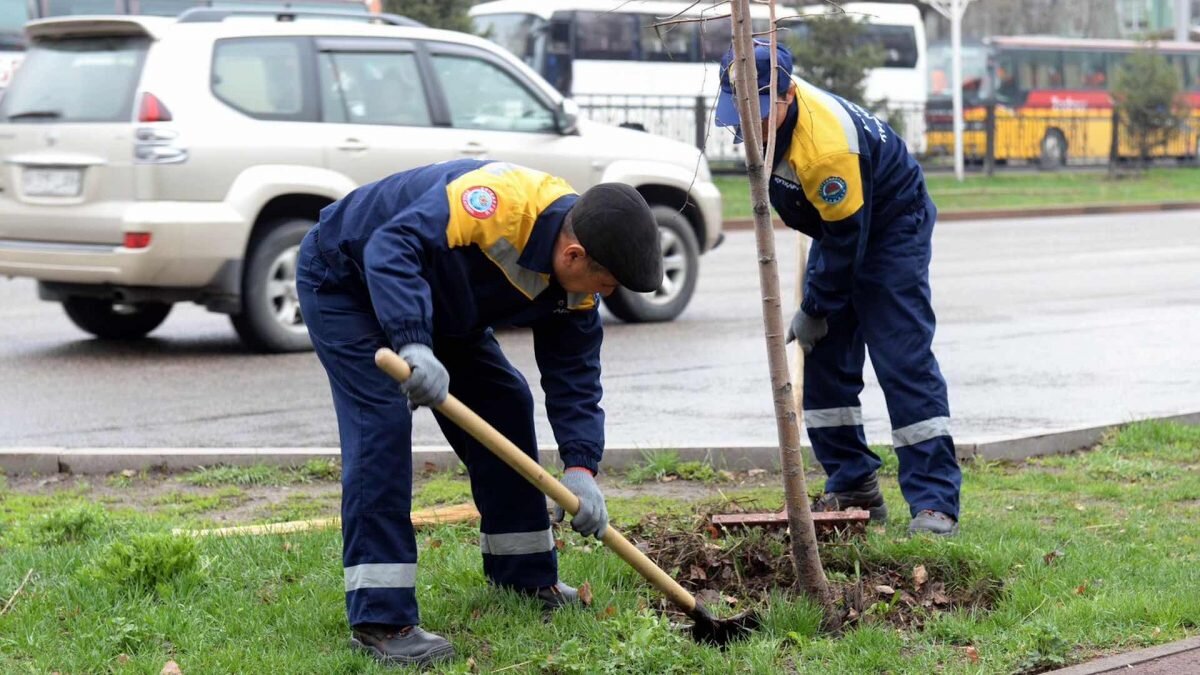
(429, 383)
(807, 330)
(592, 518)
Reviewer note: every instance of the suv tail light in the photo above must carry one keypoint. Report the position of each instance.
(152, 109)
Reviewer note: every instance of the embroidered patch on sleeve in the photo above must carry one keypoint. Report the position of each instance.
(480, 201)
(833, 189)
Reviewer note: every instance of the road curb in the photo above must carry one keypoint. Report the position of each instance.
(440, 458)
(735, 224)
(1176, 657)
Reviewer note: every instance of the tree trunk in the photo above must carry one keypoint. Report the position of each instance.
(805, 557)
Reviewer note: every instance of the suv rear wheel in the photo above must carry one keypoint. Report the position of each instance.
(109, 321)
(270, 319)
(681, 266)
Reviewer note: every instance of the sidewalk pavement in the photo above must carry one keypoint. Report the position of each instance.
(1176, 658)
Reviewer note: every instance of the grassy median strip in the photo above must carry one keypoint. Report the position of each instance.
(1024, 190)
(1060, 559)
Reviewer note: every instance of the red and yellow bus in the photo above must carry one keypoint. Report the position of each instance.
(1053, 100)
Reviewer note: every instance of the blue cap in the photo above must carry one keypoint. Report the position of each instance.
(727, 114)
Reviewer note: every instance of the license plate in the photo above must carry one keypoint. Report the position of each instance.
(52, 182)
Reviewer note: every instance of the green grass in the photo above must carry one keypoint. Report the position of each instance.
(111, 592)
(1022, 190)
(258, 475)
(660, 465)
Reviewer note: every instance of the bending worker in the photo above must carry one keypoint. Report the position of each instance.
(426, 262)
(844, 178)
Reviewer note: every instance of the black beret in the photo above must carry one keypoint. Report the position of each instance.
(614, 225)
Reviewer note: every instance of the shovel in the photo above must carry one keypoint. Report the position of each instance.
(706, 628)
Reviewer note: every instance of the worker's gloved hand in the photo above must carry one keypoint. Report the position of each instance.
(429, 383)
(592, 518)
(807, 330)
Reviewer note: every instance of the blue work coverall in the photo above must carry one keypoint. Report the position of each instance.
(843, 177)
(439, 255)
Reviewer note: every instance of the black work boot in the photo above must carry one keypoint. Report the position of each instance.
(401, 645)
(552, 597)
(866, 495)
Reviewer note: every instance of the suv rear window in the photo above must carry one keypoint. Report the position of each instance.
(76, 80)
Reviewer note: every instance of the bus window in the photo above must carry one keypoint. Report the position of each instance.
(1039, 70)
(1176, 61)
(899, 44)
(715, 37)
(518, 33)
(606, 36)
(1084, 70)
(69, 7)
(667, 43)
(1192, 83)
(1114, 66)
(1008, 87)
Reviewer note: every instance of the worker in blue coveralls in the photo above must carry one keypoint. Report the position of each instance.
(426, 262)
(843, 177)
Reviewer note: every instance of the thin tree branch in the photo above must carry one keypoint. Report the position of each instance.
(17, 592)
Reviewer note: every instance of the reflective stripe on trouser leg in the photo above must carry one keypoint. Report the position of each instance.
(832, 414)
(379, 550)
(898, 324)
(515, 541)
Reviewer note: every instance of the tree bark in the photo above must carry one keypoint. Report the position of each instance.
(806, 558)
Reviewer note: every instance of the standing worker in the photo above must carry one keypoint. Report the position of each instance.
(427, 262)
(844, 178)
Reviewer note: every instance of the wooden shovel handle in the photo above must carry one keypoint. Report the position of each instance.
(523, 464)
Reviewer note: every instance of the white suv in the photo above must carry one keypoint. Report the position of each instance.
(146, 161)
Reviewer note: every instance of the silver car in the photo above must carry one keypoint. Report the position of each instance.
(146, 161)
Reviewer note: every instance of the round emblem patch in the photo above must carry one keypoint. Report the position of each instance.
(480, 201)
(833, 190)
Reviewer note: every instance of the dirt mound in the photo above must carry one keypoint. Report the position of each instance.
(740, 569)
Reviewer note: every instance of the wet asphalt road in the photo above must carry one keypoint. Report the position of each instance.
(1044, 324)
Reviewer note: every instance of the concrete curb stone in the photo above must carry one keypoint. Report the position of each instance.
(734, 224)
(1177, 657)
(438, 458)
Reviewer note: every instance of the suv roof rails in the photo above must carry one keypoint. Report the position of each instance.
(283, 14)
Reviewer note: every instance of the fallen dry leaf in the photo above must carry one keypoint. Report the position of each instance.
(170, 668)
(668, 478)
(1081, 589)
(122, 659)
(1079, 507)
(471, 665)
(920, 576)
(730, 600)
(725, 475)
(476, 613)
(129, 473)
(940, 598)
(560, 544)
(435, 543)
(1052, 556)
(610, 611)
(430, 467)
(713, 532)
(756, 472)
(884, 589)
(585, 594)
(972, 654)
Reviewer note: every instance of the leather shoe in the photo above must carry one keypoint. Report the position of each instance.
(402, 645)
(866, 495)
(933, 522)
(553, 597)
